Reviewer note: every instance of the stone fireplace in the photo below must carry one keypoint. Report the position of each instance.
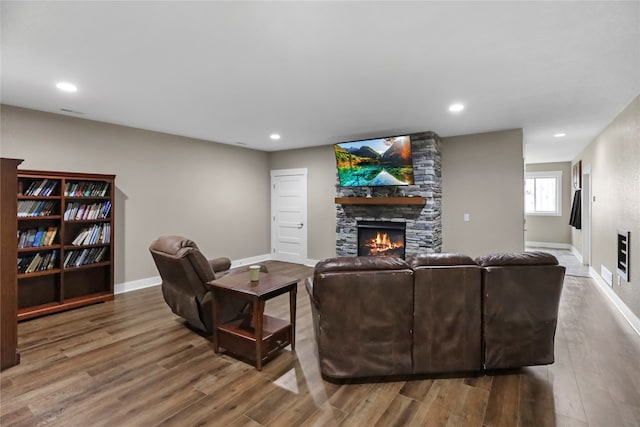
(422, 223)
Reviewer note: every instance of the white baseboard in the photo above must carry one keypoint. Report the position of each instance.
(250, 260)
(549, 245)
(134, 285)
(577, 254)
(633, 320)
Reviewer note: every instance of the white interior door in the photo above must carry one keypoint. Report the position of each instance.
(289, 215)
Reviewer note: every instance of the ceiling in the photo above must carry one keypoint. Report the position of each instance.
(325, 72)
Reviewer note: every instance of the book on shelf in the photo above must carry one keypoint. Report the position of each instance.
(49, 189)
(31, 237)
(79, 238)
(34, 263)
(43, 188)
(22, 239)
(26, 238)
(83, 211)
(80, 213)
(90, 236)
(37, 262)
(86, 189)
(33, 208)
(38, 237)
(38, 189)
(38, 259)
(80, 257)
(52, 260)
(51, 234)
(80, 260)
(42, 265)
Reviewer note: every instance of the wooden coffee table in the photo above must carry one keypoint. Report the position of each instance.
(255, 336)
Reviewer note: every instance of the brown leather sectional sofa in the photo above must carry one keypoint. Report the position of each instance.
(434, 313)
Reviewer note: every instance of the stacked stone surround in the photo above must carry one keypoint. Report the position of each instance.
(423, 223)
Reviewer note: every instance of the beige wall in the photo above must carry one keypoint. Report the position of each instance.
(496, 221)
(219, 195)
(321, 191)
(552, 229)
(483, 175)
(614, 159)
(216, 194)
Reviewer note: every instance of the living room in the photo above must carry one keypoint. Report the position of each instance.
(219, 194)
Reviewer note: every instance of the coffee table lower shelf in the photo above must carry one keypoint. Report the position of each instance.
(238, 337)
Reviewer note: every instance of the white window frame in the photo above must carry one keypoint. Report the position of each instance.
(547, 174)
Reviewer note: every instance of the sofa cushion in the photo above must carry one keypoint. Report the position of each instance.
(524, 258)
(363, 316)
(440, 259)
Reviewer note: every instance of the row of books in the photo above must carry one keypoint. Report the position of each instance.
(29, 208)
(81, 211)
(43, 187)
(37, 262)
(85, 256)
(36, 237)
(86, 189)
(98, 233)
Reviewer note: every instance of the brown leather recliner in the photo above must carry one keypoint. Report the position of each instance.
(521, 296)
(362, 309)
(185, 272)
(447, 314)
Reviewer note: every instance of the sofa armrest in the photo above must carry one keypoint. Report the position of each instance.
(220, 264)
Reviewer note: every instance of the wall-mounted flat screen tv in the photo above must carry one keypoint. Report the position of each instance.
(375, 162)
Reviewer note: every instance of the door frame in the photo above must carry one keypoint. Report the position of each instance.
(586, 193)
(276, 173)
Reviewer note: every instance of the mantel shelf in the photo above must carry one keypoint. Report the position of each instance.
(380, 200)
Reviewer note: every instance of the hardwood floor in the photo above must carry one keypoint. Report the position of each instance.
(131, 362)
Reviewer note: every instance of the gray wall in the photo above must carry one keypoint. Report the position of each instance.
(614, 159)
(216, 194)
(483, 175)
(552, 229)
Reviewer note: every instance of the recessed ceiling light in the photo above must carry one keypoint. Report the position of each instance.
(274, 136)
(559, 135)
(455, 108)
(67, 87)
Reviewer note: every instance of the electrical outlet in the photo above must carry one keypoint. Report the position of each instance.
(619, 283)
(466, 217)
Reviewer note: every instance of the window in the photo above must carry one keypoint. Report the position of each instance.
(543, 193)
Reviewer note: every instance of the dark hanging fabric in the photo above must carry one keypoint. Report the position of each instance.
(576, 211)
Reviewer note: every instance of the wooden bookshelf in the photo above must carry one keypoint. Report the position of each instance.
(380, 200)
(72, 204)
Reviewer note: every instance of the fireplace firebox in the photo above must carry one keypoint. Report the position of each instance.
(381, 238)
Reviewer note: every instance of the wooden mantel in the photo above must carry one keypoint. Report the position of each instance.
(381, 200)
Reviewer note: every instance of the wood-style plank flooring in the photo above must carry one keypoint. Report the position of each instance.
(131, 362)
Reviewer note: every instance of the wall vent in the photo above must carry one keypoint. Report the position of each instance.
(623, 254)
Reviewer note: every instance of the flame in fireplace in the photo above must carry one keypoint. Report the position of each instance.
(381, 244)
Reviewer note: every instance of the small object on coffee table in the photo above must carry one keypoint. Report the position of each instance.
(254, 336)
